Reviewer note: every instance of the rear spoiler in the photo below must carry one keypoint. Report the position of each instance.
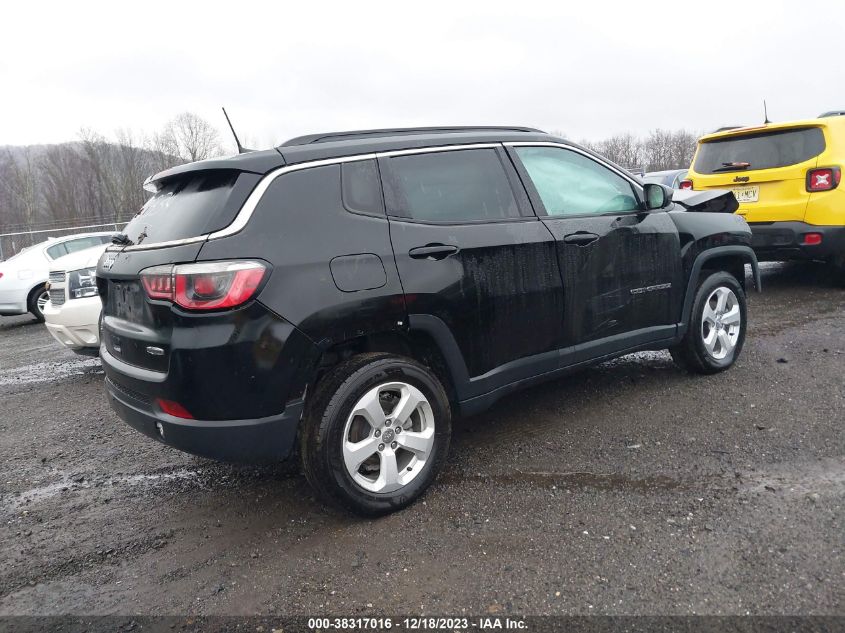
(252, 162)
(710, 201)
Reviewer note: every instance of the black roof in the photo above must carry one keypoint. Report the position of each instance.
(402, 131)
(335, 147)
(339, 144)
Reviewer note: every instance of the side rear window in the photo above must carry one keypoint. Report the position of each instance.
(451, 186)
(361, 187)
(765, 150)
(191, 205)
(81, 243)
(59, 250)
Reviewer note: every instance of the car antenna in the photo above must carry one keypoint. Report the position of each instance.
(765, 114)
(241, 148)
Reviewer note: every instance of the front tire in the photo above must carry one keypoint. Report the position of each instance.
(375, 433)
(716, 332)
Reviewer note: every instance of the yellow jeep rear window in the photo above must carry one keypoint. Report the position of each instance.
(764, 150)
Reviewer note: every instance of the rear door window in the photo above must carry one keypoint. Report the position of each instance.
(451, 186)
(191, 205)
(765, 150)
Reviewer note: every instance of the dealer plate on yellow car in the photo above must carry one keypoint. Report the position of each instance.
(746, 194)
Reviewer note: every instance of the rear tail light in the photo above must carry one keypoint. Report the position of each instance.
(686, 184)
(812, 239)
(206, 286)
(823, 178)
(175, 409)
(158, 282)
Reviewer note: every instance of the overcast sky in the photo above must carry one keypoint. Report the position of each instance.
(590, 70)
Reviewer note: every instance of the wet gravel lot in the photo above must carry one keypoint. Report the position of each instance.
(631, 488)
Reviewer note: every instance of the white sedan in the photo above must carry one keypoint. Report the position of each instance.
(23, 277)
(72, 315)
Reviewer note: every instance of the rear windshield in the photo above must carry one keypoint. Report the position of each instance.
(186, 207)
(761, 151)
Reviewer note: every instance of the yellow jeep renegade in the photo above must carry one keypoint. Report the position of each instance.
(786, 178)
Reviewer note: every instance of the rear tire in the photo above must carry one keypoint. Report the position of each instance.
(716, 332)
(375, 433)
(38, 298)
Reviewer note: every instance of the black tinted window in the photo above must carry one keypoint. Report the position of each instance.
(452, 186)
(182, 208)
(361, 187)
(761, 151)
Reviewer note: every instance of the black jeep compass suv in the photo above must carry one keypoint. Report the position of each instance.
(343, 296)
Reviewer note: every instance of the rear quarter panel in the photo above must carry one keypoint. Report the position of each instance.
(827, 208)
(299, 226)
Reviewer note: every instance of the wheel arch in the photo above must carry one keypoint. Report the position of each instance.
(731, 259)
(32, 291)
(420, 342)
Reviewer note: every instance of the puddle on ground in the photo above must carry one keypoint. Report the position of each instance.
(49, 372)
(67, 483)
(826, 476)
(820, 478)
(603, 481)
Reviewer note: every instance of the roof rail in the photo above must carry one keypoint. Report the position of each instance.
(832, 113)
(400, 131)
(726, 128)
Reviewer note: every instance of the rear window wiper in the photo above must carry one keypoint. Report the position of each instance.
(731, 166)
(121, 239)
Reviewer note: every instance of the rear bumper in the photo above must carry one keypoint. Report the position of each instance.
(265, 440)
(778, 241)
(240, 374)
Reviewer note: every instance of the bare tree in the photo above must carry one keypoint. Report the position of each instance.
(99, 157)
(191, 138)
(63, 183)
(660, 150)
(622, 149)
(20, 179)
(133, 167)
(163, 150)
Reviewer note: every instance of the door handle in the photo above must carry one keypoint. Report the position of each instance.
(433, 251)
(581, 238)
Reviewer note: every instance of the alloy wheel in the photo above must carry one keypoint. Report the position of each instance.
(721, 323)
(42, 300)
(388, 437)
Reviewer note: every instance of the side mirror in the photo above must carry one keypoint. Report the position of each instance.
(657, 196)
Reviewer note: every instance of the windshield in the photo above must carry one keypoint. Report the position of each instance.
(759, 151)
(183, 208)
